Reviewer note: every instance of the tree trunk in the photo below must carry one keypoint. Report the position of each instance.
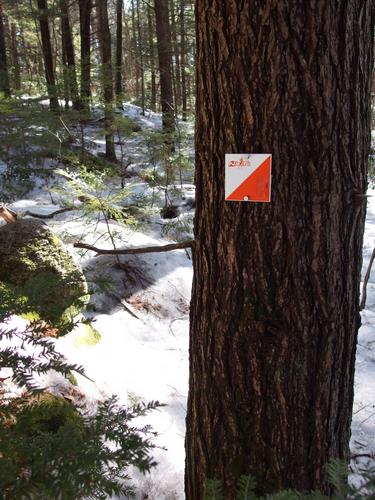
(85, 9)
(163, 34)
(176, 58)
(118, 71)
(151, 57)
(275, 300)
(15, 58)
(140, 57)
(47, 55)
(183, 60)
(135, 51)
(4, 76)
(68, 45)
(107, 77)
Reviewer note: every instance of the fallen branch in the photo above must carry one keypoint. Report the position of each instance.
(367, 277)
(134, 251)
(52, 214)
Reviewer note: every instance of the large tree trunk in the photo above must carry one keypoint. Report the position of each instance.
(4, 76)
(275, 301)
(47, 54)
(85, 9)
(106, 77)
(68, 47)
(163, 34)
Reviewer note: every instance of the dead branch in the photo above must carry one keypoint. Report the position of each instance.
(52, 214)
(367, 277)
(134, 251)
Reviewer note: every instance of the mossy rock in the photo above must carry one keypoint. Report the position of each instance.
(38, 275)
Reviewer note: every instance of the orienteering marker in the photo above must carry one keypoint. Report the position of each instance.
(248, 177)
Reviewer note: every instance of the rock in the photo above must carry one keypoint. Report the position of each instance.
(37, 269)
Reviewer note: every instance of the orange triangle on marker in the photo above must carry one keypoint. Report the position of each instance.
(256, 187)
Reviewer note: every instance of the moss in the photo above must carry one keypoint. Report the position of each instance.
(35, 265)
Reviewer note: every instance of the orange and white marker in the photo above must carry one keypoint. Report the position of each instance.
(248, 177)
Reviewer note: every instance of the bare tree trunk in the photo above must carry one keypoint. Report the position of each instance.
(183, 60)
(151, 57)
(140, 55)
(135, 51)
(15, 58)
(85, 10)
(163, 33)
(47, 54)
(107, 77)
(118, 70)
(275, 300)
(176, 65)
(4, 76)
(67, 43)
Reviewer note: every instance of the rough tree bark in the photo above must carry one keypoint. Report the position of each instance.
(47, 54)
(275, 300)
(106, 76)
(163, 34)
(4, 76)
(85, 9)
(68, 48)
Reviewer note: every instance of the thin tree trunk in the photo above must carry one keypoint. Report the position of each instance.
(177, 65)
(151, 57)
(85, 10)
(275, 299)
(107, 77)
(4, 76)
(47, 54)
(135, 51)
(68, 45)
(140, 55)
(183, 60)
(118, 70)
(65, 72)
(163, 33)
(15, 58)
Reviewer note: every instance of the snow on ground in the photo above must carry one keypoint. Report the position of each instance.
(143, 322)
(363, 425)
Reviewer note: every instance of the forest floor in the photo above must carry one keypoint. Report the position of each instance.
(143, 320)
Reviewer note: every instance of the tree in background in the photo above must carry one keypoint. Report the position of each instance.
(275, 300)
(163, 33)
(85, 9)
(68, 49)
(4, 76)
(47, 54)
(119, 57)
(107, 76)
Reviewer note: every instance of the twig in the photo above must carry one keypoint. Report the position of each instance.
(367, 277)
(134, 251)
